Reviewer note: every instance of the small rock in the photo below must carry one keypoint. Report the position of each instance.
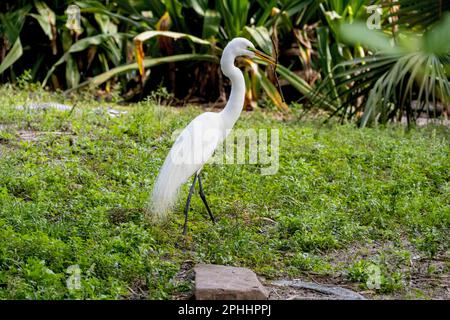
(216, 282)
(110, 111)
(27, 135)
(114, 113)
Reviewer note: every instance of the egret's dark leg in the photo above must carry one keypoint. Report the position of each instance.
(188, 202)
(202, 195)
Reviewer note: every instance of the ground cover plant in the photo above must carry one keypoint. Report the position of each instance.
(74, 185)
(359, 60)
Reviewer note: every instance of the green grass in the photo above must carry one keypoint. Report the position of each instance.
(343, 199)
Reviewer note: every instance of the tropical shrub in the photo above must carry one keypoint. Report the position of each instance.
(328, 58)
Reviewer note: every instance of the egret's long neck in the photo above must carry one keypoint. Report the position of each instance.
(235, 103)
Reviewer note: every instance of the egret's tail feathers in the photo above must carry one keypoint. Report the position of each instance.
(165, 191)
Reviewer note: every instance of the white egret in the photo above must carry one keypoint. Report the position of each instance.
(198, 141)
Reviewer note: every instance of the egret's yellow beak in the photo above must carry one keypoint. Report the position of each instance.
(263, 56)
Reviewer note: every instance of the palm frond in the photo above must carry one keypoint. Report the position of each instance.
(383, 87)
(415, 14)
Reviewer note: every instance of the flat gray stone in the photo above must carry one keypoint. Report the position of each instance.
(216, 282)
(331, 292)
(45, 106)
(63, 107)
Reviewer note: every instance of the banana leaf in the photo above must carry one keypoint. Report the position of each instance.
(13, 55)
(148, 63)
(80, 46)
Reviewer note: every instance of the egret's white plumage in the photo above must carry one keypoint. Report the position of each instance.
(197, 142)
(174, 173)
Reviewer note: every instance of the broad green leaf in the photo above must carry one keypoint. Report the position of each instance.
(416, 15)
(45, 11)
(266, 7)
(105, 23)
(262, 38)
(11, 23)
(46, 18)
(94, 8)
(234, 14)
(200, 6)
(296, 81)
(96, 40)
(271, 91)
(294, 7)
(302, 86)
(113, 51)
(13, 55)
(211, 24)
(80, 46)
(359, 33)
(174, 8)
(326, 59)
(144, 36)
(437, 40)
(148, 63)
(72, 73)
(45, 25)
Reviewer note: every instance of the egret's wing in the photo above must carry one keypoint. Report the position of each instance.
(191, 150)
(197, 142)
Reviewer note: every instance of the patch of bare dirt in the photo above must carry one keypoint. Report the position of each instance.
(423, 278)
